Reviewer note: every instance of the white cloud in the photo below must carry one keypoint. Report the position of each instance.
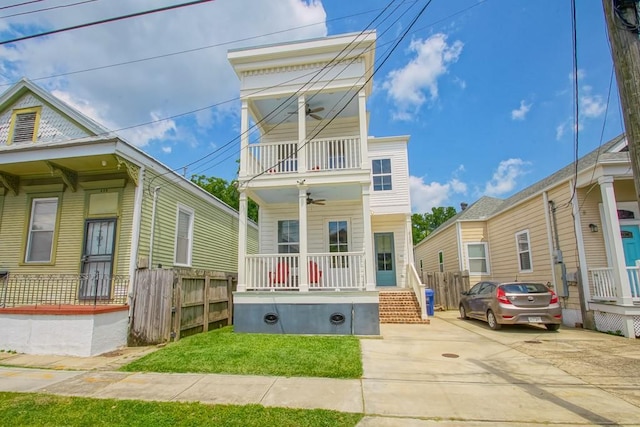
(414, 84)
(560, 131)
(521, 113)
(166, 149)
(592, 106)
(581, 74)
(126, 95)
(425, 196)
(504, 178)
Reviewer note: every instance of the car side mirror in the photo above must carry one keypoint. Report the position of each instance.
(465, 292)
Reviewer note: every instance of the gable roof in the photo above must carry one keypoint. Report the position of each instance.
(486, 207)
(24, 86)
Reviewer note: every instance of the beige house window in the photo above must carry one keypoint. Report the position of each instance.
(42, 225)
(441, 261)
(523, 245)
(184, 236)
(24, 125)
(477, 259)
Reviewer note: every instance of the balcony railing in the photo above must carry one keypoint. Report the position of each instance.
(326, 271)
(62, 289)
(326, 154)
(604, 286)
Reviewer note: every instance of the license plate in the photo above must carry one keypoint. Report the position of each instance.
(535, 319)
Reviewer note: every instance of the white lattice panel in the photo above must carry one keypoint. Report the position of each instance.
(636, 325)
(52, 127)
(609, 322)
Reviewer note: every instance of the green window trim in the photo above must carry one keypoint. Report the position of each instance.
(24, 121)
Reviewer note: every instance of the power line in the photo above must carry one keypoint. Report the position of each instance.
(104, 21)
(20, 4)
(576, 100)
(47, 8)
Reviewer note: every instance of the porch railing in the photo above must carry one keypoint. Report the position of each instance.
(604, 286)
(325, 271)
(323, 154)
(18, 289)
(414, 282)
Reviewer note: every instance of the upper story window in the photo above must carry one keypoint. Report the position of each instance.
(381, 174)
(24, 125)
(42, 225)
(477, 258)
(523, 246)
(184, 235)
(288, 236)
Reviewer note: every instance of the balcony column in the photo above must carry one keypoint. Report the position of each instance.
(303, 277)
(623, 289)
(302, 134)
(242, 241)
(244, 137)
(369, 256)
(362, 117)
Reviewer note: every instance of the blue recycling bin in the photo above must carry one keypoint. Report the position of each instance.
(430, 296)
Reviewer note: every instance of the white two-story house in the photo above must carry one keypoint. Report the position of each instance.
(335, 213)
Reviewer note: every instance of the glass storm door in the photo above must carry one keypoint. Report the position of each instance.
(385, 260)
(97, 259)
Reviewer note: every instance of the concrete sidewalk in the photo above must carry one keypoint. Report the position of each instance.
(450, 372)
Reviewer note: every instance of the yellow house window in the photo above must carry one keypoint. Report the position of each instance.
(24, 125)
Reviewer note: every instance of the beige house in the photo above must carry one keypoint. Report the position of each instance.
(576, 230)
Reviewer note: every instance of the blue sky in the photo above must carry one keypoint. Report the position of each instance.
(484, 88)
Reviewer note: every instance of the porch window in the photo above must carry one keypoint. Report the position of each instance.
(288, 236)
(523, 246)
(339, 242)
(41, 229)
(24, 125)
(184, 236)
(477, 258)
(441, 261)
(381, 174)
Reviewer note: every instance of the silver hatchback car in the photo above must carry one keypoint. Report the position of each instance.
(512, 303)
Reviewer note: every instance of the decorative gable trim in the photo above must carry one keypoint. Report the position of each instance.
(301, 67)
(24, 125)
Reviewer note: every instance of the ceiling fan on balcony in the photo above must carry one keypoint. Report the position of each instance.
(310, 112)
(314, 201)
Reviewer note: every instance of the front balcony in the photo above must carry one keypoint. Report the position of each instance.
(38, 290)
(604, 287)
(325, 271)
(321, 155)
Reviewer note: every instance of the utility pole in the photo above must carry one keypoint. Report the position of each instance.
(622, 24)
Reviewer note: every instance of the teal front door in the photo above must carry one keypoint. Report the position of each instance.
(631, 244)
(385, 259)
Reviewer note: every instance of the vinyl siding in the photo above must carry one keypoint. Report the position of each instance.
(317, 217)
(427, 252)
(397, 225)
(396, 200)
(215, 231)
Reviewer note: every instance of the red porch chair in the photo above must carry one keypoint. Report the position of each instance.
(314, 273)
(281, 275)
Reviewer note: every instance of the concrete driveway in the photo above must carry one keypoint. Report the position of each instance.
(456, 372)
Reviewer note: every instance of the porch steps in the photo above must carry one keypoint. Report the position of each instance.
(400, 306)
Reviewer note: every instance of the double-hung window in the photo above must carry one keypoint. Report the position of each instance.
(339, 242)
(288, 236)
(381, 170)
(477, 258)
(441, 261)
(184, 235)
(42, 226)
(523, 246)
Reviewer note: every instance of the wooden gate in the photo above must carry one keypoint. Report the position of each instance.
(170, 304)
(447, 287)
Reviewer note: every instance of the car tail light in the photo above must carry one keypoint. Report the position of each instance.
(554, 297)
(502, 296)
(558, 316)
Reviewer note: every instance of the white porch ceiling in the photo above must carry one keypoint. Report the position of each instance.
(288, 195)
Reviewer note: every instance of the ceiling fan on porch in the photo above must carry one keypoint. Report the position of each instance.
(310, 112)
(314, 201)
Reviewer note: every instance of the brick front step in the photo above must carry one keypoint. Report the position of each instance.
(400, 307)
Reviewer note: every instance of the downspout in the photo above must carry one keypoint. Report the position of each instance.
(153, 225)
(547, 220)
(135, 231)
(558, 254)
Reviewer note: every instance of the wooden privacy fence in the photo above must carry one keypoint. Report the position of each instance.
(447, 287)
(170, 304)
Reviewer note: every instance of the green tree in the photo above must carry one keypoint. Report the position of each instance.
(424, 224)
(225, 191)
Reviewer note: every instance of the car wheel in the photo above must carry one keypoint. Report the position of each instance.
(463, 312)
(552, 326)
(492, 321)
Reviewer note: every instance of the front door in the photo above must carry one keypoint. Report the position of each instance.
(631, 243)
(385, 260)
(97, 258)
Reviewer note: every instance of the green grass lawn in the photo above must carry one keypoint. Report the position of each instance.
(223, 352)
(28, 409)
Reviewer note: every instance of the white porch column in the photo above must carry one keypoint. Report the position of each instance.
(302, 134)
(369, 256)
(362, 116)
(623, 289)
(409, 241)
(244, 137)
(242, 242)
(303, 264)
